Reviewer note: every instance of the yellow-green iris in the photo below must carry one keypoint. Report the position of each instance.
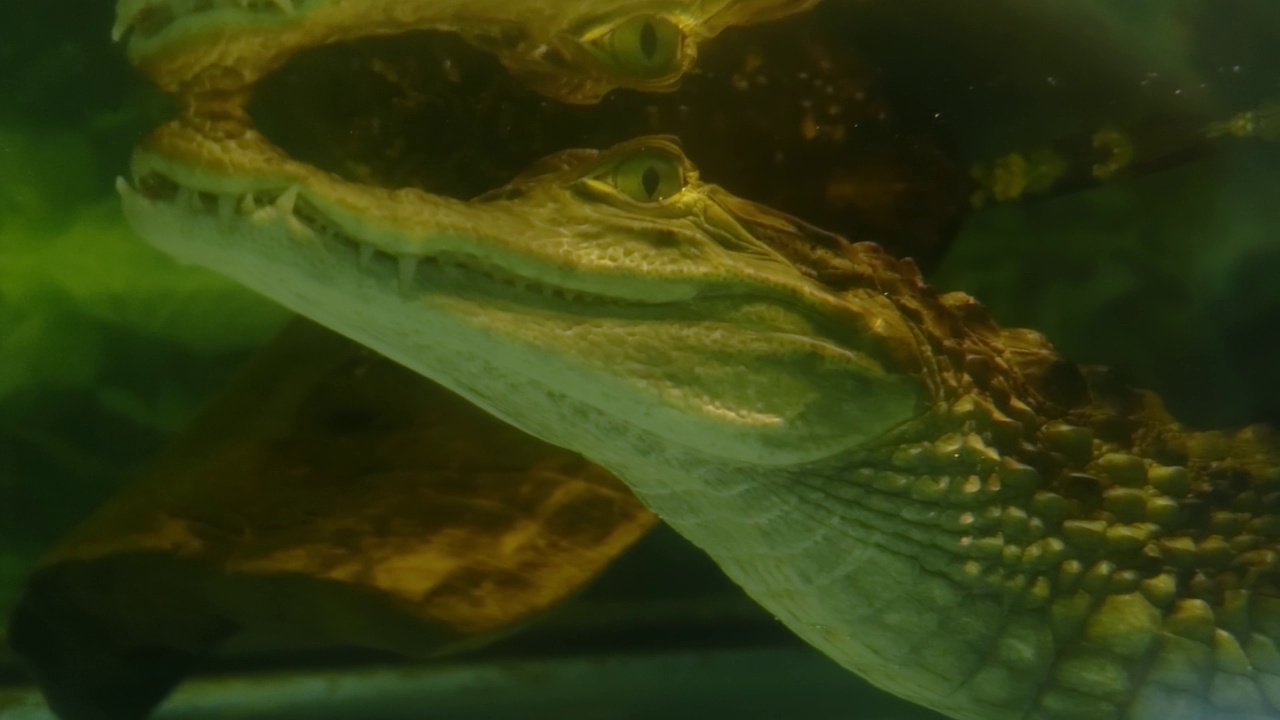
(648, 176)
(646, 46)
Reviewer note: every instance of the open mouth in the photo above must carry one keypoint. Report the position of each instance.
(782, 114)
(428, 110)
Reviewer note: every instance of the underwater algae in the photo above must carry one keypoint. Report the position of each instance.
(328, 498)
(106, 345)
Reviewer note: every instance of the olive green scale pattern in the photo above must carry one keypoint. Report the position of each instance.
(1108, 586)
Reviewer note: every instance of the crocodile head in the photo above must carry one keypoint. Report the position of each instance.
(946, 507)
(605, 301)
(608, 301)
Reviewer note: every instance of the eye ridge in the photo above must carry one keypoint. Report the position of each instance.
(645, 175)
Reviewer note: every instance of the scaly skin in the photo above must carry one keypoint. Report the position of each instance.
(945, 507)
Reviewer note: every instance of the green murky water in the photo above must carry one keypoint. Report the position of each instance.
(108, 348)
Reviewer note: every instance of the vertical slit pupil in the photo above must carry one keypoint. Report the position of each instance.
(649, 40)
(650, 179)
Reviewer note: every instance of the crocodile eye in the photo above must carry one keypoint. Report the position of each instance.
(648, 176)
(646, 46)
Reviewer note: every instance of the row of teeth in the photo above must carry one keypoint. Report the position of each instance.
(302, 216)
(149, 18)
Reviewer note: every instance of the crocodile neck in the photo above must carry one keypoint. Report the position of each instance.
(1089, 581)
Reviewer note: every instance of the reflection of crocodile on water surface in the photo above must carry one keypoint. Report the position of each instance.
(945, 507)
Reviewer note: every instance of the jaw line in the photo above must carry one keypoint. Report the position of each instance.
(388, 225)
(408, 226)
(356, 303)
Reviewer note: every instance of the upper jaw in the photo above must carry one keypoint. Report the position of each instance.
(231, 44)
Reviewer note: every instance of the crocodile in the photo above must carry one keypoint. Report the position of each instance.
(948, 508)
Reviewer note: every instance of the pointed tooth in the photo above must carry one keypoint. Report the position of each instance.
(248, 204)
(298, 228)
(226, 207)
(408, 268)
(366, 254)
(287, 200)
(122, 186)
